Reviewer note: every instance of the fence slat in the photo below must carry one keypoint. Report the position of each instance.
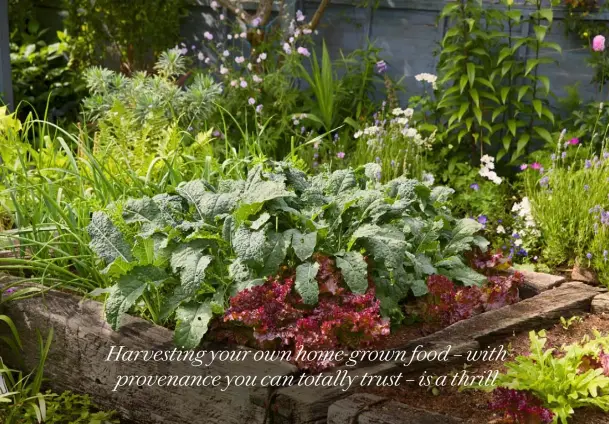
(6, 86)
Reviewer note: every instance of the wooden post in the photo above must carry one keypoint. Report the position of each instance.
(6, 87)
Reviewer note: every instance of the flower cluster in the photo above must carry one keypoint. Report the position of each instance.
(277, 315)
(598, 43)
(487, 166)
(525, 236)
(428, 78)
(449, 303)
(520, 406)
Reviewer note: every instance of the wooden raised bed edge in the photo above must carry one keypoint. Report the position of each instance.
(77, 360)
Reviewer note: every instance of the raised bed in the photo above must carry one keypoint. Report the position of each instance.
(83, 341)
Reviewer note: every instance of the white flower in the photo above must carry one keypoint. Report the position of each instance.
(214, 4)
(428, 78)
(223, 70)
(306, 31)
(408, 112)
(257, 79)
(402, 120)
(262, 56)
(299, 16)
(229, 36)
(221, 17)
(358, 134)
(287, 48)
(239, 59)
(411, 132)
(518, 242)
(200, 56)
(226, 53)
(243, 35)
(500, 229)
(249, 66)
(397, 111)
(208, 35)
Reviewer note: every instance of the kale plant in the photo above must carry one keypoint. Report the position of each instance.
(187, 253)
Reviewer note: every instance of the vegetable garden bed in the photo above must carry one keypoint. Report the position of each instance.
(83, 341)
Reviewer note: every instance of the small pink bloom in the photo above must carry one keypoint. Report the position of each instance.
(251, 101)
(340, 155)
(523, 166)
(574, 141)
(536, 166)
(598, 43)
(303, 51)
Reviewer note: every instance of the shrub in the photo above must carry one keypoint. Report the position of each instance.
(145, 118)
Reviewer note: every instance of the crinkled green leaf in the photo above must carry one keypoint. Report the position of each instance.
(190, 262)
(127, 291)
(419, 288)
(340, 181)
(303, 244)
(262, 219)
(276, 248)
(193, 192)
(249, 245)
(193, 320)
(441, 194)
(106, 240)
(354, 270)
(385, 243)
(305, 282)
(462, 236)
(466, 275)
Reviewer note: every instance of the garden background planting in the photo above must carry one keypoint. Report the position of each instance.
(384, 197)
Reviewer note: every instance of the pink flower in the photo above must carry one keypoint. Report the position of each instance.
(536, 166)
(251, 101)
(598, 43)
(574, 141)
(523, 166)
(303, 51)
(340, 155)
(287, 48)
(257, 79)
(208, 35)
(243, 84)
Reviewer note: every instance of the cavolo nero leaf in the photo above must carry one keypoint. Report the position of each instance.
(277, 248)
(466, 275)
(340, 181)
(129, 288)
(249, 245)
(354, 270)
(190, 262)
(303, 244)
(385, 243)
(193, 320)
(306, 284)
(106, 240)
(462, 236)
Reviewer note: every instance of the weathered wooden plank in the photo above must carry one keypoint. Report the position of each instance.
(364, 408)
(82, 343)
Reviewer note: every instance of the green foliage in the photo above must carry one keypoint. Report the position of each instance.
(208, 242)
(494, 97)
(148, 118)
(569, 204)
(42, 75)
(560, 378)
(138, 31)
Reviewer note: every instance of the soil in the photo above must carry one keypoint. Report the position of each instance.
(472, 405)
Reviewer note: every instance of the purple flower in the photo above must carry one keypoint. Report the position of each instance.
(574, 141)
(474, 186)
(553, 157)
(377, 159)
(544, 181)
(299, 16)
(251, 101)
(381, 67)
(563, 155)
(256, 22)
(523, 166)
(302, 129)
(208, 35)
(606, 155)
(315, 155)
(589, 255)
(303, 51)
(10, 290)
(392, 163)
(586, 187)
(605, 254)
(482, 219)
(536, 166)
(258, 108)
(243, 84)
(340, 155)
(588, 164)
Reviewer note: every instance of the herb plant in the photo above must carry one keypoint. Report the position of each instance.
(187, 253)
(565, 379)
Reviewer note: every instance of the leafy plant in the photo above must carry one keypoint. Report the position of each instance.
(149, 119)
(280, 318)
(186, 253)
(44, 81)
(563, 380)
